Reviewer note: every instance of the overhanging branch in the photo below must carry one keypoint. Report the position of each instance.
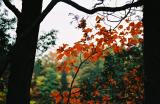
(12, 8)
(109, 9)
(77, 6)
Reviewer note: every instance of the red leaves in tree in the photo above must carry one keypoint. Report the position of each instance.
(67, 53)
(120, 26)
(98, 19)
(107, 37)
(116, 49)
(106, 98)
(87, 30)
(94, 46)
(82, 23)
(56, 96)
(86, 54)
(59, 57)
(78, 47)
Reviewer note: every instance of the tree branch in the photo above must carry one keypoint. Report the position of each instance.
(71, 86)
(12, 8)
(123, 17)
(109, 9)
(77, 6)
(101, 2)
(39, 19)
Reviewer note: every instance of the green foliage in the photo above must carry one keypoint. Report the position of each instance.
(6, 43)
(108, 78)
(64, 82)
(121, 67)
(45, 41)
(44, 81)
(88, 80)
(6, 24)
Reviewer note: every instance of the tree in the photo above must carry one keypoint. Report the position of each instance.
(103, 46)
(151, 53)
(22, 55)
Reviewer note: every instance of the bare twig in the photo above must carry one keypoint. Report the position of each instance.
(123, 17)
(101, 2)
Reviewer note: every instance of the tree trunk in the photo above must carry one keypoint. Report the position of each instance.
(152, 52)
(24, 54)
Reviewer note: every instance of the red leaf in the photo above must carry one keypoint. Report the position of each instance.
(60, 56)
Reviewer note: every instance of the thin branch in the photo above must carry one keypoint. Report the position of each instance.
(71, 86)
(76, 76)
(12, 8)
(101, 2)
(109, 9)
(124, 17)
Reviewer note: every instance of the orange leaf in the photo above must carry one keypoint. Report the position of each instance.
(131, 24)
(139, 24)
(137, 78)
(98, 19)
(67, 69)
(98, 26)
(106, 98)
(65, 93)
(56, 96)
(127, 20)
(94, 58)
(87, 30)
(67, 53)
(120, 27)
(90, 102)
(54, 93)
(116, 48)
(79, 47)
(72, 61)
(75, 69)
(96, 93)
(61, 49)
(130, 102)
(86, 54)
(60, 56)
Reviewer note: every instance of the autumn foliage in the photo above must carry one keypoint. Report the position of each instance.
(104, 67)
(97, 43)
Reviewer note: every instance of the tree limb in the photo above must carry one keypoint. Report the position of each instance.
(12, 8)
(77, 6)
(123, 17)
(109, 9)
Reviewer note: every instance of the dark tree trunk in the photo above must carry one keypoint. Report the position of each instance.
(24, 54)
(152, 52)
